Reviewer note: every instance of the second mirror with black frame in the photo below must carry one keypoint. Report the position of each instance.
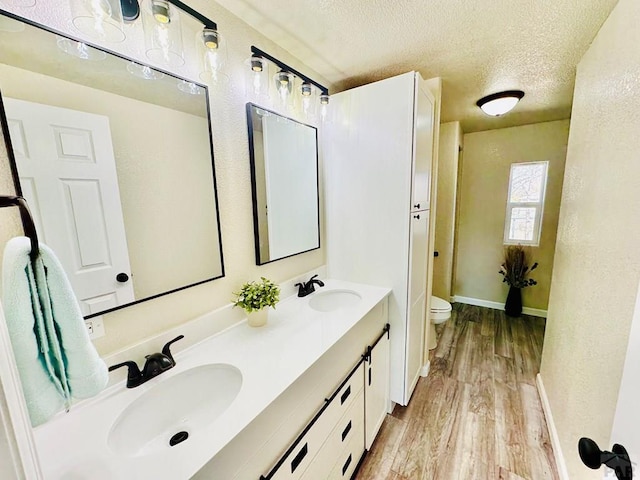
(284, 178)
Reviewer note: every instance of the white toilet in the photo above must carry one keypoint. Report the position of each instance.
(439, 313)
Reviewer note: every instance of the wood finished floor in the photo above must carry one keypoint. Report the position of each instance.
(477, 416)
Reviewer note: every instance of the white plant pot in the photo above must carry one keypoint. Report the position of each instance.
(258, 318)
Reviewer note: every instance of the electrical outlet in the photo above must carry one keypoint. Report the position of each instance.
(95, 327)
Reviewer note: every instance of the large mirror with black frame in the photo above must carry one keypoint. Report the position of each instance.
(116, 162)
(284, 177)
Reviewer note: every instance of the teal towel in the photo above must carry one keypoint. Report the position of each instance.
(55, 358)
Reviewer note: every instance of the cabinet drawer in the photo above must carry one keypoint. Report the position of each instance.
(349, 426)
(299, 459)
(343, 399)
(348, 459)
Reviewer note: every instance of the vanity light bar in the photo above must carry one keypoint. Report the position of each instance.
(255, 51)
(208, 23)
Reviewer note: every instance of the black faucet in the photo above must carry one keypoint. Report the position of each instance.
(306, 288)
(156, 364)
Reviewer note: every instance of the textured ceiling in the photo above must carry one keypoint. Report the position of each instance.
(477, 46)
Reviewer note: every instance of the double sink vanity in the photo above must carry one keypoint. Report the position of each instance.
(245, 403)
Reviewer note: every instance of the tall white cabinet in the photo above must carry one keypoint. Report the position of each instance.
(378, 157)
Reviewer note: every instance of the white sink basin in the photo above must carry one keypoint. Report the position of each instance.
(183, 403)
(331, 300)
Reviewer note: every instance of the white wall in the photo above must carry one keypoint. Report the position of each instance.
(597, 263)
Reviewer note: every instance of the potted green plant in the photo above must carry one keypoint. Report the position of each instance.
(515, 270)
(256, 298)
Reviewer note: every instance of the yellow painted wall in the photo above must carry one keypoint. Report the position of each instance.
(450, 143)
(483, 188)
(597, 263)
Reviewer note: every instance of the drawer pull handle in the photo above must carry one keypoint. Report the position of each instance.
(346, 431)
(369, 376)
(345, 395)
(346, 465)
(299, 457)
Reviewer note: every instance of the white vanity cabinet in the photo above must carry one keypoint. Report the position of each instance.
(331, 445)
(345, 440)
(378, 160)
(316, 427)
(376, 388)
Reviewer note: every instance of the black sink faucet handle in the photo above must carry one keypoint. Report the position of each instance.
(134, 375)
(313, 280)
(166, 350)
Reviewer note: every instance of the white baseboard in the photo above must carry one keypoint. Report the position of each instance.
(536, 312)
(424, 371)
(553, 433)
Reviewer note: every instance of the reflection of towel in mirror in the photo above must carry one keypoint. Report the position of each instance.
(53, 353)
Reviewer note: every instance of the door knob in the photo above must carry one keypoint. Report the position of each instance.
(122, 277)
(617, 459)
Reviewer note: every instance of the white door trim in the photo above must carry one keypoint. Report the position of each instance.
(553, 433)
(17, 426)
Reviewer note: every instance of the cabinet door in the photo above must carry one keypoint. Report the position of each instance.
(418, 255)
(422, 146)
(415, 346)
(376, 389)
(418, 261)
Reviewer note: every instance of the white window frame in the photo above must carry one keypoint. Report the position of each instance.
(539, 206)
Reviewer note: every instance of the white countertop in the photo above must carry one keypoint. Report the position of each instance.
(74, 446)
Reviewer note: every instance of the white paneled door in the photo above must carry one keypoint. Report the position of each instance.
(67, 172)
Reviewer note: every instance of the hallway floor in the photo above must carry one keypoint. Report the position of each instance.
(477, 416)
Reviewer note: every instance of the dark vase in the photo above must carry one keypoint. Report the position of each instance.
(513, 305)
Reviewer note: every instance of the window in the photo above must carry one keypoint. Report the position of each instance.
(525, 202)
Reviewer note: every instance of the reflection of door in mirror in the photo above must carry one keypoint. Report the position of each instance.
(67, 173)
(284, 167)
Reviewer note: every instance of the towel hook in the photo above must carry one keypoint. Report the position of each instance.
(27, 220)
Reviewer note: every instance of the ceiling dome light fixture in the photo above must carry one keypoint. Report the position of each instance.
(500, 103)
